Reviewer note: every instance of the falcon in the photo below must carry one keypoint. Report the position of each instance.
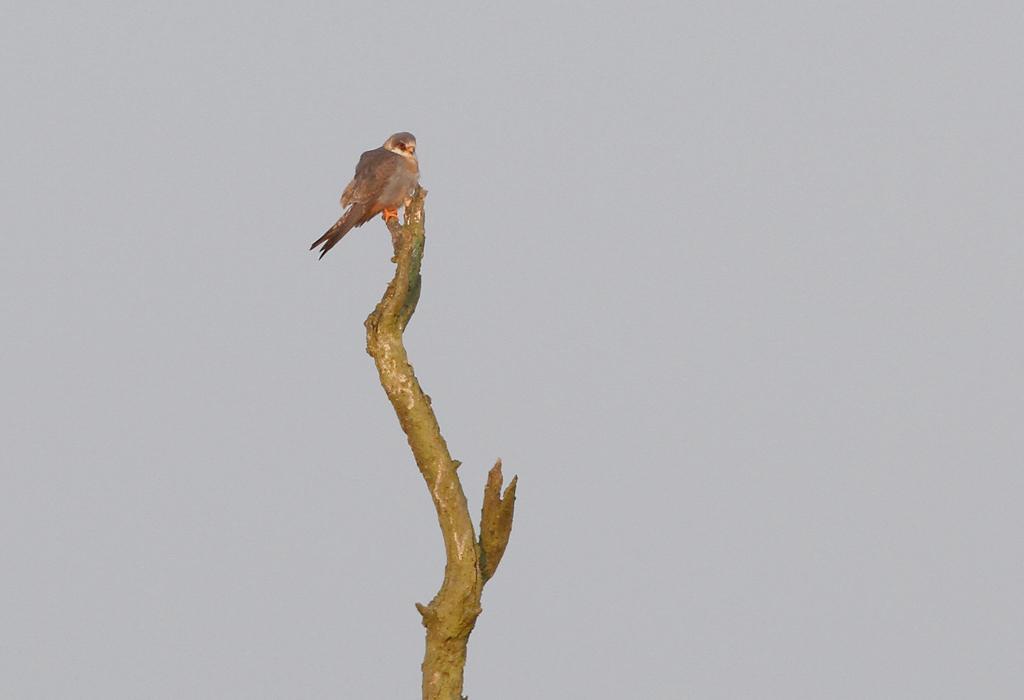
(384, 181)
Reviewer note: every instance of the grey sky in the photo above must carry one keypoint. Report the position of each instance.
(736, 291)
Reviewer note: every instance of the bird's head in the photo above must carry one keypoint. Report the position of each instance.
(403, 143)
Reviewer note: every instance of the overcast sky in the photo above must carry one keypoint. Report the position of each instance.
(736, 291)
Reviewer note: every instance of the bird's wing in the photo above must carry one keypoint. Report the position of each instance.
(375, 170)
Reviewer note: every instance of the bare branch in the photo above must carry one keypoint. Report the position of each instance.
(449, 618)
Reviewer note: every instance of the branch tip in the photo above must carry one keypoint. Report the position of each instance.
(510, 490)
(496, 520)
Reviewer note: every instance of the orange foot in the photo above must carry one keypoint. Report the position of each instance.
(390, 214)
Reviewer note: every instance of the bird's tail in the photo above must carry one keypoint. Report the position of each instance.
(348, 220)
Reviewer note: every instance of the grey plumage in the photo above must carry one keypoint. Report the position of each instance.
(385, 179)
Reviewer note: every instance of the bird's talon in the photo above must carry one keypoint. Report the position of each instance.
(390, 214)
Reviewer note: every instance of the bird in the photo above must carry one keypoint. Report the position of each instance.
(384, 181)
